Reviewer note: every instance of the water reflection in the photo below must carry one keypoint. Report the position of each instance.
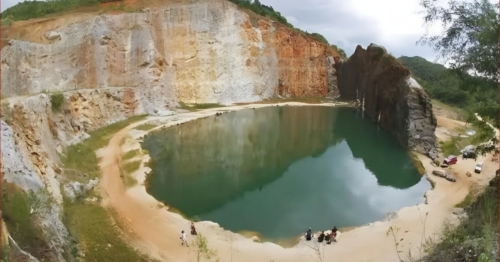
(279, 170)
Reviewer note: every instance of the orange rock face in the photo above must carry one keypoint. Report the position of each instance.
(206, 51)
(301, 61)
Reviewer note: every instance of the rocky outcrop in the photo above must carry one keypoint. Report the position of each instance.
(390, 96)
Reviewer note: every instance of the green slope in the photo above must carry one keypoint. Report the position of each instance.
(472, 93)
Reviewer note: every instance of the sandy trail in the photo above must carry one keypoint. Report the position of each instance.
(156, 231)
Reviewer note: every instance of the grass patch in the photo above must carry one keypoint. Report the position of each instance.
(196, 107)
(458, 113)
(126, 172)
(451, 147)
(131, 154)
(82, 156)
(475, 238)
(468, 200)
(57, 100)
(16, 212)
(145, 127)
(130, 167)
(455, 144)
(98, 234)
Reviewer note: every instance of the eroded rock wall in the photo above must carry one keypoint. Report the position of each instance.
(389, 95)
(203, 52)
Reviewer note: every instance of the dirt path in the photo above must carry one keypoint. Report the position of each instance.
(156, 231)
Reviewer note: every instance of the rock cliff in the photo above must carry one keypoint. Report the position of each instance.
(389, 95)
(206, 51)
(113, 66)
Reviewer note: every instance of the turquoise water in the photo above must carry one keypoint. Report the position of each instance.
(280, 170)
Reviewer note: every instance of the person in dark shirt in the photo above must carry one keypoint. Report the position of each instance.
(321, 236)
(309, 234)
(334, 234)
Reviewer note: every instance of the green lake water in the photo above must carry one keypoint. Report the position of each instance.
(280, 170)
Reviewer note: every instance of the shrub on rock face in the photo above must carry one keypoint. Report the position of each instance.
(57, 101)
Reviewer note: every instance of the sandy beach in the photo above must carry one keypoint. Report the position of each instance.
(152, 228)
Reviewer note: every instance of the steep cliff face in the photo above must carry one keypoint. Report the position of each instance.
(202, 52)
(389, 95)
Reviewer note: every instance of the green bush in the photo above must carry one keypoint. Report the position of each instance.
(16, 212)
(472, 93)
(475, 236)
(33, 9)
(269, 12)
(57, 100)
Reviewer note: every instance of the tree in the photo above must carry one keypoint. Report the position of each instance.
(340, 51)
(202, 250)
(470, 42)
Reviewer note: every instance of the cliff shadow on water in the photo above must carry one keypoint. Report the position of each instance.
(271, 168)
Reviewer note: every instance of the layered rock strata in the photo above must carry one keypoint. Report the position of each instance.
(388, 94)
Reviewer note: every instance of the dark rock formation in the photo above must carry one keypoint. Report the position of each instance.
(389, 95)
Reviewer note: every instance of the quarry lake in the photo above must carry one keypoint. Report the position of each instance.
(280, 170)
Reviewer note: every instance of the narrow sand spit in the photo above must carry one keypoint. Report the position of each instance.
(155, 230)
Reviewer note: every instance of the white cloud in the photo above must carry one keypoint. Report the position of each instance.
(395, 24)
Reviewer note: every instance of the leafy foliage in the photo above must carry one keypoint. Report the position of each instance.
(475, 237)
(202, 249)
(473, 93)
(470, 45)
(34, 9)
(269, 12)
(470, 41)
(57, 100)
(339, 50)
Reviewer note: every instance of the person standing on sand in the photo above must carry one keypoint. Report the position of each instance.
(193, 229)
(184, 238)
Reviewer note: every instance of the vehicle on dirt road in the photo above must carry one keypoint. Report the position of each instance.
(479, 168)
(450, 160)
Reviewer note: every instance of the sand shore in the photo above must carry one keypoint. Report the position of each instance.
(155, 230)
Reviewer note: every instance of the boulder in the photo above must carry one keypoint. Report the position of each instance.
(446, 175)
(255, 239)
(52, 35)
(468, 174)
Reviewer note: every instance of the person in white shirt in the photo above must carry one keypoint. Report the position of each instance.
(184, 238)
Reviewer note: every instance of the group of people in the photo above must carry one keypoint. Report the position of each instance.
(328, 238)
(184, 237)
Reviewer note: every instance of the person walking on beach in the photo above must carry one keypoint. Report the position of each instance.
(184, 238)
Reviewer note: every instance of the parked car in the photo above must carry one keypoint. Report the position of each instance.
(469, 154)
(450, 160)
(479, 168)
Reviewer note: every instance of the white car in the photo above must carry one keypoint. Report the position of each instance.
(479, 168)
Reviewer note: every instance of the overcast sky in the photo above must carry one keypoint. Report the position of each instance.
(394, 24)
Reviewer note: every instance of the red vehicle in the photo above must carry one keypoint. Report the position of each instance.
(450, 160)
